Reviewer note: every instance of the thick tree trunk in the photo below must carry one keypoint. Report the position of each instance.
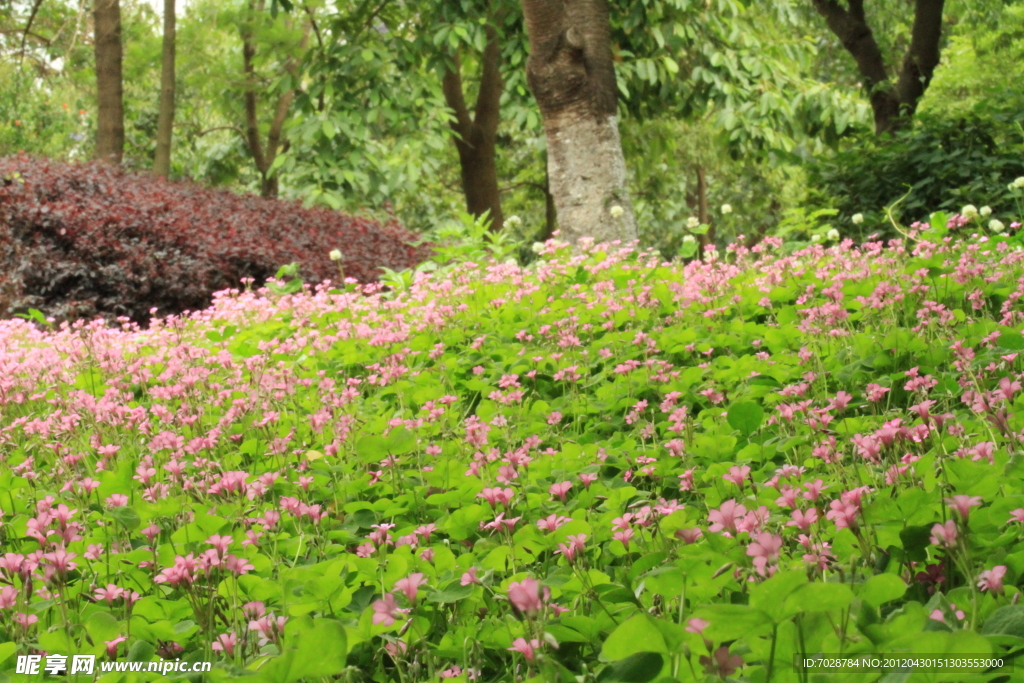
(893, 105)
(109, 87)
(165, 119)
(476, 136)
(572, 76)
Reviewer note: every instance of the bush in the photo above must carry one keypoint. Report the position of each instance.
(944, 163)
(86, 240)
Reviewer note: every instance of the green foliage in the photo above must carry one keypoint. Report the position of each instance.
(943, 163)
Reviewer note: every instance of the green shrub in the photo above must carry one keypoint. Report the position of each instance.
(943, 163)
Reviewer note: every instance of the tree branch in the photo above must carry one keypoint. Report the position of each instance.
(488, 99)
(451, 86)
(28, 27)
(923, 54)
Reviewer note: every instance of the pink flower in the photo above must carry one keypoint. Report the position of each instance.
(385, 611)
(226, 643)
(25, 620)
(803, 520)
(1016, 515)
(938, 615)
(496, 495)
(726, 516)
(623, 536)
(944, 534)
(8, 597)
(844, 514)
(588, 479)
(737, 475)
(689, 535)
(765, 549)
(876, 392)
(963, 504)
(696, 625)
(552, 522)
(576, 543)
(469, 577)
(109, 594)
(992, 579)
(560, 489)
(526, 649)
(841, 400)
(112, 645)
(410, 584)
(526, 596)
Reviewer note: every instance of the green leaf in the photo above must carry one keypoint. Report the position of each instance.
(636, 634)
(371, 449)
(453, 592)
(770, 596)
(328, 129)
(102, 626)
(6, 650)
(127, 516)
(1008, 620)
(729, 622)
(882, 588)
(746, 417)
(400, 441)
(819, 597)
(637, 668)
(141, 651)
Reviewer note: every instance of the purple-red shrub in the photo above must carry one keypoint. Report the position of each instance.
(81, 240)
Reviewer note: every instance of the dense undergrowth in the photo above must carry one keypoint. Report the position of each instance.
(81, 240)
(600, 467)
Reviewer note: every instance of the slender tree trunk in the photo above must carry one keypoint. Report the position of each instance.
(703, 215)
(263, 156)
(165, 120)
(572, 76)
(109, 87)
(893, 105)
(476, 136)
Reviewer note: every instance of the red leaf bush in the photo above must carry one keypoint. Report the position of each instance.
(87, 240)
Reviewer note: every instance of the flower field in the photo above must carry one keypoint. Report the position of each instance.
(600, 467)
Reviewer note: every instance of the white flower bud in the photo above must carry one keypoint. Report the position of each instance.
(985, 211)
(689, 239)
(857, 218)
(513, 221)
(726, 208)
(335, 254)
(692, 222)
(832, 234)
(616, 211)
(969, 211)
(815, 238)
(537, 247)
(1019, 182)
(996, 225)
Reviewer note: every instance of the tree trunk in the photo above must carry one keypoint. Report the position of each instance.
(703, 215)
(476, 136)
(572, 76)
(165, 120)
(262, 156)
(109, 87)
(893, 105)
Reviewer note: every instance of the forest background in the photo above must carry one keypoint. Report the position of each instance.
(749, 118)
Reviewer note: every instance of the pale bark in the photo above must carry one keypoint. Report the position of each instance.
(572, 76)
(109, 87)
(165, 119)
